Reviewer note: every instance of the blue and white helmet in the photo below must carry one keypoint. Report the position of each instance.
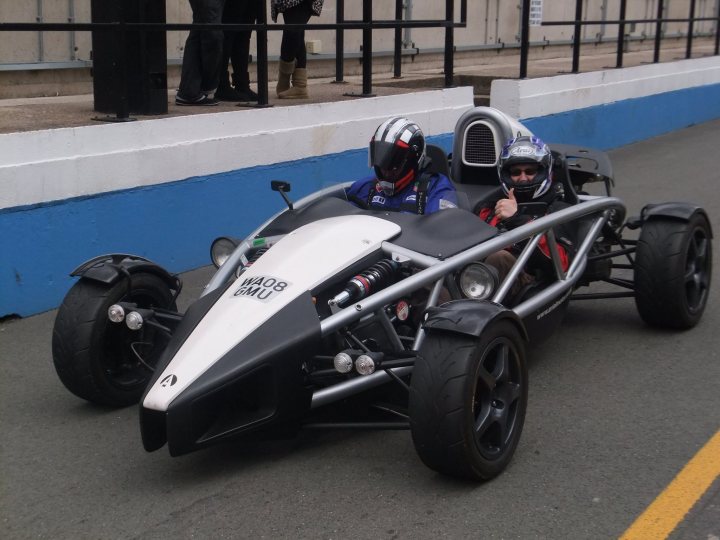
(526, 150)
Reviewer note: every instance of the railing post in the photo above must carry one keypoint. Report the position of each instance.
(41, 43)
(397, 58)
(691, 24)
(366, 52)
(122, 107)
(367, 48)
(339, 41)
(621, 35)
(262, 53)
(123, 112)
(524, 38)
(717, 31)
(449, 42)
(576, 37)
(658, 32)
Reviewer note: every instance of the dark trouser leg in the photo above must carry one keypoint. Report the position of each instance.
(236, 49)
(225, 91)
(203, 50)
(236, 46)
(292, 46)
(190, 76)
(211, 42)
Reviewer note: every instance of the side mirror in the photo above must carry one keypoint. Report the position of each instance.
(283, 187)
(280, 185)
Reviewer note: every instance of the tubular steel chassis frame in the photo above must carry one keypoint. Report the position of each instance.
(596, 210)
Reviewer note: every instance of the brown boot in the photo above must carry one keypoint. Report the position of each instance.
(299, 86)
(285, 71)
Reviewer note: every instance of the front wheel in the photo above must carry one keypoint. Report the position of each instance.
(104, 362)
(468, 398)
(673, 266)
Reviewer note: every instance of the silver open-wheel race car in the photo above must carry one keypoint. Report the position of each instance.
(328, 315)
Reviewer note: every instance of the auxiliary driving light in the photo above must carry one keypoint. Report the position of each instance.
(478, 281)
(134, 320)
(343, 362)
(221, 249)
(116, 313)
(365, 365)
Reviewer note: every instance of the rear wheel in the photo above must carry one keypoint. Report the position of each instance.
(673, 267)
(105, 362)
(468, 398)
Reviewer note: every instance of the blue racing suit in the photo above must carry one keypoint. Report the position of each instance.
(432, 192)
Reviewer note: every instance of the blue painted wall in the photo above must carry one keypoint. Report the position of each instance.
(631, 120)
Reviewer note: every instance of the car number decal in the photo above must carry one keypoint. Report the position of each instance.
(263, 288)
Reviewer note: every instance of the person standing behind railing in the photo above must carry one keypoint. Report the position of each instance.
(293, 56)
(201, 60)
(236, 49)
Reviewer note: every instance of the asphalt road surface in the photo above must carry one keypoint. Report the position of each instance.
(616, 411)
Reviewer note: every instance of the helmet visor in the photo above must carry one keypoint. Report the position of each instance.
(390, 160)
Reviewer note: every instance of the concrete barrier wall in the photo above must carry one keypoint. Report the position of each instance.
(165, 188)
(612, 108)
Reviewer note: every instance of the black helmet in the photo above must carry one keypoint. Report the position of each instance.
(526, 150)
(397, 152)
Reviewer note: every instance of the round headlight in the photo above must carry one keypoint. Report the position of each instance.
(134, 320)
(221, 250)
(343, 362)
(478, 281)
(116, 313)
(365, 365)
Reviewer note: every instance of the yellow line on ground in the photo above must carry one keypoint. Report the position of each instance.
(671, 506)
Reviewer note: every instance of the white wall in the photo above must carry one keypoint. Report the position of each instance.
(532, 98)
(50, 165)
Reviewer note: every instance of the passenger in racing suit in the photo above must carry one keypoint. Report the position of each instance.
(402, 182)
(525, 171)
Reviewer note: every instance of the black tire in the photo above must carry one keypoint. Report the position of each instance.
(92, 355)
(468, 398)
(673, 267)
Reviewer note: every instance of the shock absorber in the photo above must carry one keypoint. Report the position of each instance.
(378, 276)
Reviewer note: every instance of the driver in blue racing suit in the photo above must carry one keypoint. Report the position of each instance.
(402, 181)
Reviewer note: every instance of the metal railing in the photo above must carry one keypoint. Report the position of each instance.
(261, 28)
(578, 23)
(367, 25)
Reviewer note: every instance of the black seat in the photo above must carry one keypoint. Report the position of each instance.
(438, 160)
(439, 164)
(562, 175)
